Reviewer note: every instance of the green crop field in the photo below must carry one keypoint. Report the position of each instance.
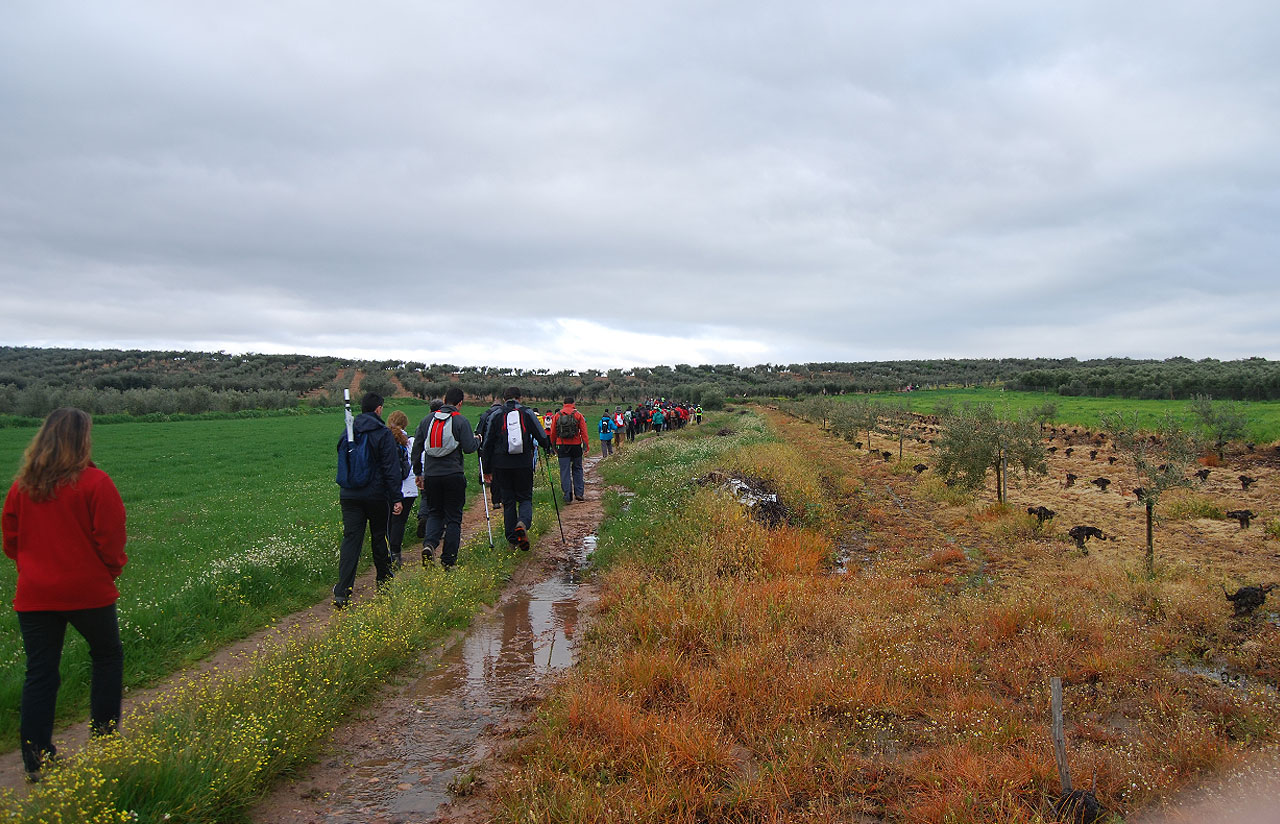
(232, 524)
(1264, 416)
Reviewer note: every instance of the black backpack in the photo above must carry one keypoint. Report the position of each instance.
(567, 427)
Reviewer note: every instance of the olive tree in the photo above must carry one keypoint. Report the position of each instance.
(1160, 460)
(977, 438)
(1044, 413)
(896, 422)
(1222, 421)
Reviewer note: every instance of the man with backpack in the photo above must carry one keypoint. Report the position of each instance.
(511, 435)
(619, 427)
(607, 429)
(443, 437)
(369, 474)
(482, 428)
(569, 435)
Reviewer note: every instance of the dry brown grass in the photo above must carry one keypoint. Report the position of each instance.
(740, 681)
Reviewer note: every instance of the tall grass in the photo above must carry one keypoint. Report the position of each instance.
(731, 676)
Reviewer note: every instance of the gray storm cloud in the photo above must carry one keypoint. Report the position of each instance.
(566, 184)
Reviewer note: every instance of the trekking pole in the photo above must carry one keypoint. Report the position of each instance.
(485, 495)
(551, 482)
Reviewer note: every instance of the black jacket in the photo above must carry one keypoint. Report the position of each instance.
(384, 453)
(494, 449)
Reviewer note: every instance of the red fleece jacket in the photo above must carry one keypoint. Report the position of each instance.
(69, 550)
(569, 409)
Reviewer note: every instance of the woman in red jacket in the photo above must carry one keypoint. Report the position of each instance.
(64, 526)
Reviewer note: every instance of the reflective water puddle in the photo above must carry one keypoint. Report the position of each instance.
(528, 636)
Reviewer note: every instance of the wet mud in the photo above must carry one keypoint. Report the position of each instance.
(415, 753)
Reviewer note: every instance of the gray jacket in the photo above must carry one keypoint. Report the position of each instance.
(431, 467)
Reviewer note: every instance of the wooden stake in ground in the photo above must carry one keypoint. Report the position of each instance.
(1073, 805)
(1059, 737)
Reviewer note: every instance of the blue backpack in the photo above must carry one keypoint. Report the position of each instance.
(355, 466)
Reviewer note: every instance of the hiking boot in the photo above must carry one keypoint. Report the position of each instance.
(428, 555)
(522, 537)
(339, 602)
(396, 563)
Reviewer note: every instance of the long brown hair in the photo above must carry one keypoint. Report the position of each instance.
(57, 454)
(397, 420)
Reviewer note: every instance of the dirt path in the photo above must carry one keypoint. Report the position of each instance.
(399, 757)
(74, 736)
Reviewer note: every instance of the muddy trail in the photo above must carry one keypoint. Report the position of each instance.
(538, 609)
(405, 755)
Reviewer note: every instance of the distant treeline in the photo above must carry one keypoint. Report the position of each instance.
(112, 381)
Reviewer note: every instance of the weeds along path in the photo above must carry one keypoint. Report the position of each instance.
(418, 744)
(733, 675)
(307, 621)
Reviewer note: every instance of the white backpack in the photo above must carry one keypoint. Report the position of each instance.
(440, 439)
(515, 431)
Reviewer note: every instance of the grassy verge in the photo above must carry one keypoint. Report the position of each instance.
(209, 748)
(731, 676)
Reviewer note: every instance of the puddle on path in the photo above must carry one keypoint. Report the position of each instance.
(528, 636)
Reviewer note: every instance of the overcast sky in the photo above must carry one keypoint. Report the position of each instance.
(572, 184)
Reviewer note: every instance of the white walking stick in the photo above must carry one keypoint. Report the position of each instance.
(351, 435)
(485, 495)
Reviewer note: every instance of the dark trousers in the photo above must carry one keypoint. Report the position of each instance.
(355, 514)
(396, 526)
(572, 482)
(42, 637)
(443, 498)
(515, 487)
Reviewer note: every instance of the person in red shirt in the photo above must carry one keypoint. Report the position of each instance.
(64, 527)
(568, 434)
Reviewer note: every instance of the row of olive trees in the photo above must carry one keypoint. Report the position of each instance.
(978, 438)
(38, 400)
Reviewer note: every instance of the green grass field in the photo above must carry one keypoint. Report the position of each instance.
(232, 524)
(1264, 416)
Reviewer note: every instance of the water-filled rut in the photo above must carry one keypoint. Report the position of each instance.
(402, 759)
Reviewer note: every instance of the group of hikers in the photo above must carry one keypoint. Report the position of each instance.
(64, 521)
(382, 471)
